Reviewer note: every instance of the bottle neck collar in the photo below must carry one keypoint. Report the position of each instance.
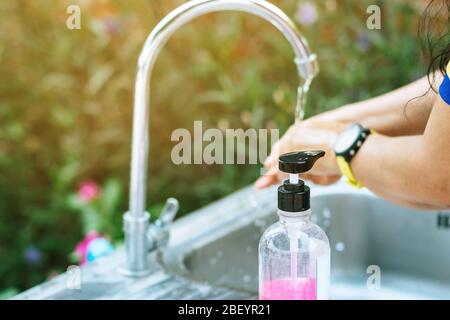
(300, 216)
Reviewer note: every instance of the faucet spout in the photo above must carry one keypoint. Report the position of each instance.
(136, 220)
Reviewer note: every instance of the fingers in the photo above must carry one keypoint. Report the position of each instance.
(272, 176)
(272, 159)
(279, 147)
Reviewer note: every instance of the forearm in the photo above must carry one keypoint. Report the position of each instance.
(401, 112)
(390, 168)
(412, 171)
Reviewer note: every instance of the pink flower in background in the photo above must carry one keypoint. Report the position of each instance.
(82, 247)
(307, 13)
(92, 247)
(88, 191)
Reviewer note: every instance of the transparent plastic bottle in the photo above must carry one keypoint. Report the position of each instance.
(294, 253)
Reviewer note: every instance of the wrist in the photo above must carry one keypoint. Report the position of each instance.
(362, 162)
(347, 146)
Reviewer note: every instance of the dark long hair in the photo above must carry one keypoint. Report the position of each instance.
(435, 36)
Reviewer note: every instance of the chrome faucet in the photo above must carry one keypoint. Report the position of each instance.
(140, 237)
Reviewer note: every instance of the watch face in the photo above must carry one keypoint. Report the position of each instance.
(346, 139)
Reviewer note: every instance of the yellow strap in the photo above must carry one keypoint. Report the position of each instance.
(346, 171)
(448, 69)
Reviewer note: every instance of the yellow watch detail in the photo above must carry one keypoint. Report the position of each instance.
(346, 171)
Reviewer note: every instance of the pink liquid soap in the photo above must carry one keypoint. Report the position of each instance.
(287, 289)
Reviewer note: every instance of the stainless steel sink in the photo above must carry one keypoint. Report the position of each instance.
(410, 248)
(212, 253)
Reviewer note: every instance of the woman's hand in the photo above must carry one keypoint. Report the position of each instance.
(317, 133)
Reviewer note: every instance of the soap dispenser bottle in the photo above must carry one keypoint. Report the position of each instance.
(294, 253)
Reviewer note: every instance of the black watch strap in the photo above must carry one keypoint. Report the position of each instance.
(354, 146)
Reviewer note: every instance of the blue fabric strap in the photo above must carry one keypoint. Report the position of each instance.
(444, 90)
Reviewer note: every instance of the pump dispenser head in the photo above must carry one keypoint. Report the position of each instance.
(293, 194)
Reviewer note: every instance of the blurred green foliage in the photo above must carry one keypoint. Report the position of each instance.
(66, 105)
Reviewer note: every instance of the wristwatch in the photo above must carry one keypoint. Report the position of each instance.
(347, 145)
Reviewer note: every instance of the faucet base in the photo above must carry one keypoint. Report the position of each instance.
(136, 245)
(133, 273)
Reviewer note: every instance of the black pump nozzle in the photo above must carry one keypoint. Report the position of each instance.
(293, 195)
(300, 161)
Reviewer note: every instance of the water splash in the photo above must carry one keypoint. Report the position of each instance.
(302, 93)
(340, 246)
(326, 213)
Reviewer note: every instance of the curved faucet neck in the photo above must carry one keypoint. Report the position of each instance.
(304, 59)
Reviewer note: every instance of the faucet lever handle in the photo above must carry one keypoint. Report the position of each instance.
(169, 211)
(158, 232)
